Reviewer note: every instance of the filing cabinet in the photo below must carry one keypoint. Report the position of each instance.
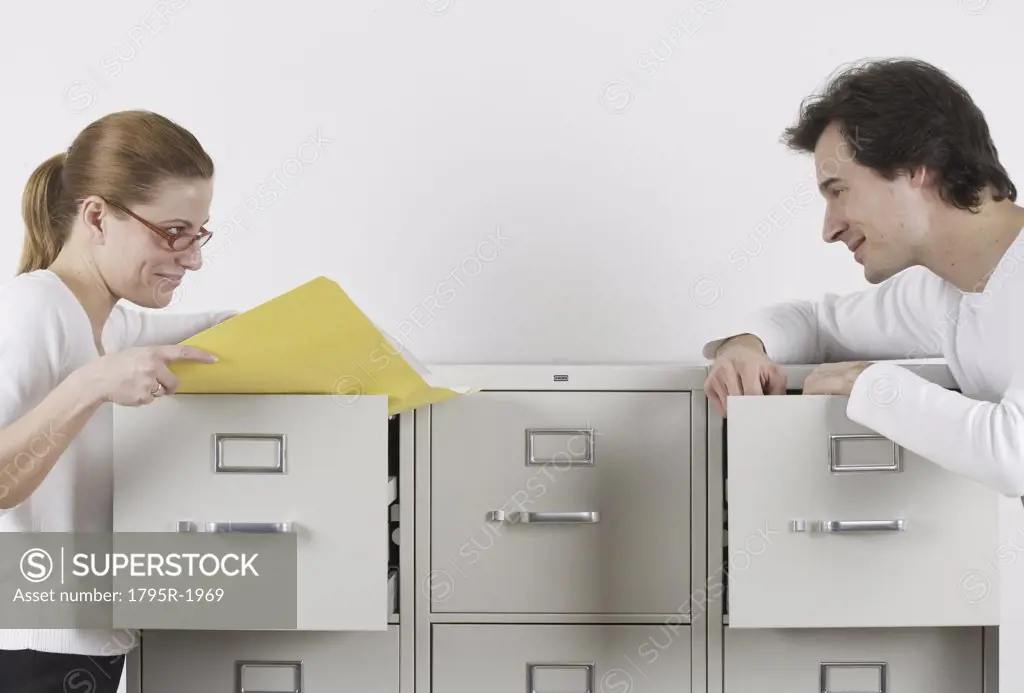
(562, 502)
(561, 659)
(868, 660)
(586, 529)
(335, 474)
(856, 531)
(270, 463)
(271, 662)
(838, 559)
(560, 531)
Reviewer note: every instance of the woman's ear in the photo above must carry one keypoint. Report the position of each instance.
(94, 213)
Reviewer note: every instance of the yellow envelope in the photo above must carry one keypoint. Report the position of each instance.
(310, 340)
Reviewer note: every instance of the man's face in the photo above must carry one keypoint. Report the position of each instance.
(880, 221)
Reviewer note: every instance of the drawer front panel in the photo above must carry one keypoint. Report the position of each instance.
(876, 660)
(504, 658)
(253, 463)
(561, 502)
(830, 525)
(270, 662)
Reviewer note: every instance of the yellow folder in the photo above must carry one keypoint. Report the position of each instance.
(310, 340)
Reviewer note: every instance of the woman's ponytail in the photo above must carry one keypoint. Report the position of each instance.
(42, 207)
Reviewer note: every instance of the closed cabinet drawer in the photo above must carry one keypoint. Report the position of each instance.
(831, 525)
(269, 662)
(256, 464)
(561, 502)
(501, 658)
(875, 660)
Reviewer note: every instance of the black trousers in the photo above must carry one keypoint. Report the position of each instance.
(30, 671)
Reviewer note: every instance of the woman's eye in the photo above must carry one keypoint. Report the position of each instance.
(175, 230)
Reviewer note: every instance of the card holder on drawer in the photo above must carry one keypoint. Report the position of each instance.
(256, 676)
(853, 677)
(560, 678)
(560, 446)
(865, 458)
(249, 453)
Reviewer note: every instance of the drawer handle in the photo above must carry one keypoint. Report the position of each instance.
(843, 526)
(240, 527)
(826, 668)
(221, 466)
(568, 455)
(251, 671)
(587, 669)
(833, 455)
(524, 518)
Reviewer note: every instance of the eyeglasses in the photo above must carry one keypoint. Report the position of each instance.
(175, 241)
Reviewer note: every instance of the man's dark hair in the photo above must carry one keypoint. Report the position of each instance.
(899, 114)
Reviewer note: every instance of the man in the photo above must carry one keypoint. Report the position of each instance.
(914, 189)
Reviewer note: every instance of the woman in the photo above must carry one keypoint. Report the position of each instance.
(120, 215)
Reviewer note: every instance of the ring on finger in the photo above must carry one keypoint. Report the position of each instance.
(158, 391)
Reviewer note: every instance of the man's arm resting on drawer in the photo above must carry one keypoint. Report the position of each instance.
(981, 440)
(901, 318)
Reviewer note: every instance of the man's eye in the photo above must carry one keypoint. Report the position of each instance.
(176, 230)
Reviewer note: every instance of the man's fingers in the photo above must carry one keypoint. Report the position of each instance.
(776, 382)
(751, 381)
(180, 352)
(731, 383)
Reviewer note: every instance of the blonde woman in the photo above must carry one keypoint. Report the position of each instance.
(119, 217)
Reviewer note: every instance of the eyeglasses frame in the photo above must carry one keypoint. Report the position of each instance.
(202, 237)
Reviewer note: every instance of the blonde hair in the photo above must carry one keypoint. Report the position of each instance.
(123, 157)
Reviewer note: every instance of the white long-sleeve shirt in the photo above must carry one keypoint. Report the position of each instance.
(977, 433)
(45, 334)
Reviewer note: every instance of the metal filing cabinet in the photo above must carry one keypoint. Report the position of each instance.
(838, 557)
(558, 514)
(575, 529)
(331, 471)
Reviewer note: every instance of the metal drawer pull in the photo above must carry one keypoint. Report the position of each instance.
(260, 676)
(523, 518)
(240, 527)
(250, 527)
(833, 454)
(569, 453)
(556, 682)
(843, 526)
(221, 466)
(841, 677)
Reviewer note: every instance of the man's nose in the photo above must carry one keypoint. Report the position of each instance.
(832, 229)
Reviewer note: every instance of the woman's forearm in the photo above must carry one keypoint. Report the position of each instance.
(31, 445)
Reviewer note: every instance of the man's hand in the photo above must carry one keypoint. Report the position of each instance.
(742, 368)
(834, 378)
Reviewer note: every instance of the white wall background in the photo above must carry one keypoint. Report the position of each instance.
(626, 152)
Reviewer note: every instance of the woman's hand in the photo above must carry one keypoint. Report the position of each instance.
(138, 375)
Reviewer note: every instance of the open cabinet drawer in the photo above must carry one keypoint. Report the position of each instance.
(267, 464)
(831, 525)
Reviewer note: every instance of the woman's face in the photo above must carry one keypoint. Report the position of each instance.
(137, 263)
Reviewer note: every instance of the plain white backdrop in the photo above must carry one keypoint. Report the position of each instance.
(558, 181)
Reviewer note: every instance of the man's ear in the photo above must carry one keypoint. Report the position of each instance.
(95, 212)
(919, 177)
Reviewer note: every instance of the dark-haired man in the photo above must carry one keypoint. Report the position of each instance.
(914, 188)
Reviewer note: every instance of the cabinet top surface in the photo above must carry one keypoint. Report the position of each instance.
(622, 376)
